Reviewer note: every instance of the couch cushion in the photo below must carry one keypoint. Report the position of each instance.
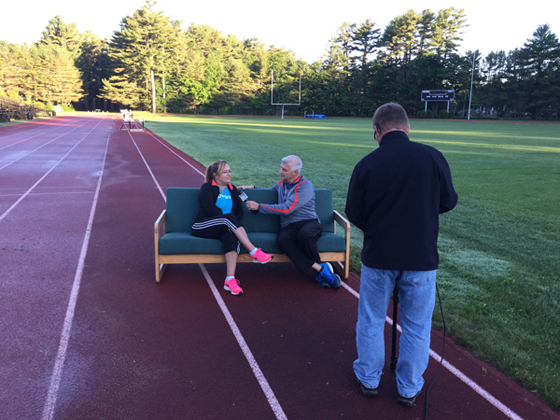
(324, 208)
(264, 240)
(261, 222)
(182, 207)
(330, 242)
(184, 243)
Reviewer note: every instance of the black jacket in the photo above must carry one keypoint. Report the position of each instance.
(209, 192)
(395, 196)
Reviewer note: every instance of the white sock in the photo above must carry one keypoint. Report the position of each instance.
(228, 278)
(253, 252)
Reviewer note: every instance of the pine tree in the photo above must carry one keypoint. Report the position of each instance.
(57, 78)
(446, 31)
(540, 58)
(60, 34)
(141, 49)
(93, 63)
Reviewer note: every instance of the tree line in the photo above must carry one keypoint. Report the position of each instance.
(150, 63)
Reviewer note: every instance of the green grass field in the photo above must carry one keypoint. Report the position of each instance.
(499, 272)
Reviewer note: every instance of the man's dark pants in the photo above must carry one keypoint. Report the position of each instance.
(298, 241)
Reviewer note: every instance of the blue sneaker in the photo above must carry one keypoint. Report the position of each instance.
(327, 278)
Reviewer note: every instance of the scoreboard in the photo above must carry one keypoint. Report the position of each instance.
(438, 95)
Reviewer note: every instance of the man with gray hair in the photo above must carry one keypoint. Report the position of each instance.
(300, 225)
(395, 197)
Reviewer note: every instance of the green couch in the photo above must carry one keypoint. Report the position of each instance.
(174, 243)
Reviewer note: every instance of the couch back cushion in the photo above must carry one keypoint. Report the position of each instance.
(182, 208)
(261, 222)
(324, 208)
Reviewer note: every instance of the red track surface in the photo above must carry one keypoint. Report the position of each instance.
(88, 334)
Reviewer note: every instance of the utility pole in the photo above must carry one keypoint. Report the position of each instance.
(472, 78)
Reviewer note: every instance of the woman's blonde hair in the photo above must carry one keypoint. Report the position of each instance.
(217, 168)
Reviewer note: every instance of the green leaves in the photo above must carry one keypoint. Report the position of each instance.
(151, 63)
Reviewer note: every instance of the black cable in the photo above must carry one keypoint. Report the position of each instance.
(442, 352)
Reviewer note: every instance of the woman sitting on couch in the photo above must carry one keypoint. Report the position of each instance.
(221, 210)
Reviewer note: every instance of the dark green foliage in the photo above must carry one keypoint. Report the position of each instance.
(151, 63)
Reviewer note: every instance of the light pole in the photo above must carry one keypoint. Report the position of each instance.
(472, 78)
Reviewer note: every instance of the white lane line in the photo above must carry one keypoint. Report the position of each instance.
(43, 145)
(457, 373)
(267, 390)
(272, 400)
(29, 126)
(40, 129)
(148, 167)
(176, 154)
(478, 389)
(52, 394)
(13, 206)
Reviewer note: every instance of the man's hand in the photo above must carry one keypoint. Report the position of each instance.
(252, 205)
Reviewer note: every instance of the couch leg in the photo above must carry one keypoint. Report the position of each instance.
(160, 268)
(339, 268)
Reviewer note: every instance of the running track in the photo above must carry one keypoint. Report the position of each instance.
(86, 333)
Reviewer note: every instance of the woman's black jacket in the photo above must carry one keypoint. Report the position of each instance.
(209, 192)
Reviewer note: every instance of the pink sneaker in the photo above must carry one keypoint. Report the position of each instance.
(233, 286)
(261, 257)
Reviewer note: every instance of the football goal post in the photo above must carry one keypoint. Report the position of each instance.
(283, 104)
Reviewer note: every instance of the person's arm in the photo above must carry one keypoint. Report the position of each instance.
(237, 208)
(251, 187)
(303, 193)
(253, 205)
(355, 201)
(448, 197)
(207, 201)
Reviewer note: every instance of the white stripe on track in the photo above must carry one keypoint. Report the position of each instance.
(43, 145)
(148, 167)
(267, 390)
(36, 126)
(272, 401)
(477, 388)
(176, 154)
(457, 373)
(13, 206)
(52, 394)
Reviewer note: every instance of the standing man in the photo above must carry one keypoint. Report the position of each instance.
(300, 225)
(395, 196)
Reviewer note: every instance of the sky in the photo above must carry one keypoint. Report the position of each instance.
(305, 27)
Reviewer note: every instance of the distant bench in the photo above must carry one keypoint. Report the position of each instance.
(174, 243)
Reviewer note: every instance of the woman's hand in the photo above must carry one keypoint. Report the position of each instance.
(245, 187)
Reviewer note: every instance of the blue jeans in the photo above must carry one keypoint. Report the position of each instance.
(416, 299)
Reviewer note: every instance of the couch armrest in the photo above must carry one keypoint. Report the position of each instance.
(345, 224)
(159, 229)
